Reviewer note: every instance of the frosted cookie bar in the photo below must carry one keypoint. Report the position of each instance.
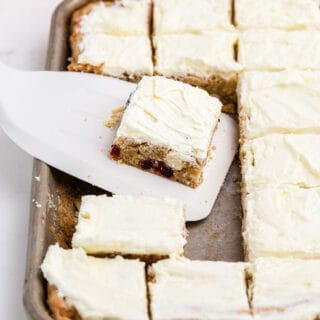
(83, 287)
(188, 16)
(283, 289)
(184, 289)
(286, 159)
(276, 50)
(167, 129)
(278, 102)
(281, 221)
(126, 57)
(282, 14)
(206, 60)
(136, 226)
(118, 18)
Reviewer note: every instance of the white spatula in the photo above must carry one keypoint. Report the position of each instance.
(58, 117)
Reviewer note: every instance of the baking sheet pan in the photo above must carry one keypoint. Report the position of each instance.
(55, 198)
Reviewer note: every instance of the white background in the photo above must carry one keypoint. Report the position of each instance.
(24, 29)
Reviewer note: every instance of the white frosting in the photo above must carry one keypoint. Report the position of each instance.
(289, 158)
(171, 114)
(130, 55)
(97, 288)
(204, 55)
(286, 289)
(281, 102)
(282, 221)
(122, 18)
(179, 16)
(283, 14)
(185, 289)
(275, 50)
(130, 225)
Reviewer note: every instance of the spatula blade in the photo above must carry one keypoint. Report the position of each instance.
(58, 118)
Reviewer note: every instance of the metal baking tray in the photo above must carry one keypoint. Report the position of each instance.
(55, 198)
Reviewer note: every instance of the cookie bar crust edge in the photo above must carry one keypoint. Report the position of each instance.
(59, 307)
(152, 158)
(225, 89)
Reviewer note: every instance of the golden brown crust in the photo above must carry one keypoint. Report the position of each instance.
(75, 39)
(78, 14)
(225, 89)
(244, 194)
(242, 120)
(59, 307)
(147, 258)
(216, 85)
(133, 153)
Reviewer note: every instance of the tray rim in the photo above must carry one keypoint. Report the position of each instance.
(54, 62)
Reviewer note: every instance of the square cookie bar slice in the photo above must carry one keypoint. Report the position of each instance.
(277, 50)
(143, 227)
(167, 129)
(125, 57)
(185, 290)
(181, 16)
(281, 221)
(205, 60)
(117, 18)
(282, 14)
(283, 159)
(84, 287)
(279, 102)
(283, 289)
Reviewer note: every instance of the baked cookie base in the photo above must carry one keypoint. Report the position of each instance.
(224, 89)
(153, 159)
(88, 68)
(58, 306)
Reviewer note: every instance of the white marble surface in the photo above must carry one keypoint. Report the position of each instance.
(24, 27)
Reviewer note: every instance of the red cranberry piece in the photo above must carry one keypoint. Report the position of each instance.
(147, 164)
(165, 170)
(115, 151)
(155, 164)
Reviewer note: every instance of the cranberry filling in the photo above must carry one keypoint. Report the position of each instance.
(115, 151)
(147, 164)
(165, 170)
(158, 166)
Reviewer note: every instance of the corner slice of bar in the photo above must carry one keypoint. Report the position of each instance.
(184, 290)
(188, 16)
(141, 227)
(278, 50)
(206, 60)
(124, 57)
(84, 287)
(281, 221)
(113, 17)
(283, 289)
(282, 159)
(280, 14)
(167, 129)
(278, 102)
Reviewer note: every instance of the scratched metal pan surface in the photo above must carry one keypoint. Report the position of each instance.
(216, 238)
